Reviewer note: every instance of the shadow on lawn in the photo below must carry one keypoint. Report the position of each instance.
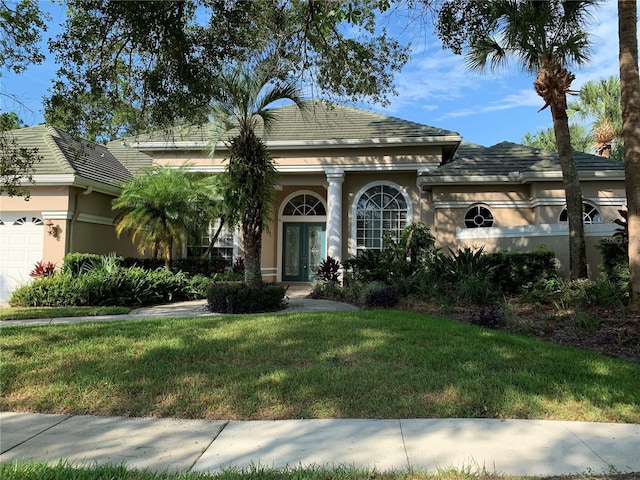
(374, 364)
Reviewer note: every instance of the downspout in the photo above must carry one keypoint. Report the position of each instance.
(76, 213)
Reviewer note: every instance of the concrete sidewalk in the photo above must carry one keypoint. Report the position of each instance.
(511, 447)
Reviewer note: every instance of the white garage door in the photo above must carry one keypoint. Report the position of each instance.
(21, 240)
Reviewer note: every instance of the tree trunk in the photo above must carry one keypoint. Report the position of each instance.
(573, 192)
(168, 255)
(630, 99)
(212, 241)
(252, 245)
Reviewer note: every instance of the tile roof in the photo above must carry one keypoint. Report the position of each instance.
(62, 154)
(506, 158)
(320, 120)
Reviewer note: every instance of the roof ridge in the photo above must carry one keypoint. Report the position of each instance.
(56, 151)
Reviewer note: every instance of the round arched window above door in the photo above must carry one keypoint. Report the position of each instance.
(304, 205)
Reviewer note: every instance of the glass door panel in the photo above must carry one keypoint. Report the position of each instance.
(304, 246)
(291, 250)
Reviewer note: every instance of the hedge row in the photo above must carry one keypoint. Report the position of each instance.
(131, 286)
(241, 298)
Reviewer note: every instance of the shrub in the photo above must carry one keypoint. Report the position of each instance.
(330, 290)
(418, 243)
(379, 295)
(75, 263)
(54, 291)
(397, 260)
(615, 259)
(476, 290)
(192, 266)
(368, 266)
(228, 276)
(511, 271)
(491, 317)
(42, 269)
(462, 263)
(104, 287)
(144, 263)
(583, 293)
(241, 298)
(197, 287)
(541, 291)
(328, 270)
(238, 266)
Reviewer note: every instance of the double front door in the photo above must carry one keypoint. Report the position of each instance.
(304, 246)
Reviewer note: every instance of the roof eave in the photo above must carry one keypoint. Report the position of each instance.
(71, 180)
(441, 140)
(517, 178)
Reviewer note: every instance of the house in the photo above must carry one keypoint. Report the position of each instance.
(346, 176)
(69, 209)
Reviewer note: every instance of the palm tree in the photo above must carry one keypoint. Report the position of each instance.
(546, 37)
(244, 95)
(600, 101)
(546, 139)
(630, 96)
(158, 207)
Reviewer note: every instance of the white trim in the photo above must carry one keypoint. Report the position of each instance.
(71, 180)
(297, 193)
(319, 168)
(58, 215)
(607, 201)
(541, 230)
(58, 179)
(533, 203)
(490, 203)
(548, 202)
(205, 168)
(96, 219)
(353, 240)
(440, 140)
(554, 175)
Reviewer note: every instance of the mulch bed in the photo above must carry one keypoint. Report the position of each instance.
(611, 332)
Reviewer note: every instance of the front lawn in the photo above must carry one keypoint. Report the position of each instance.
(28, 313)
(62, 470)
(366, 364)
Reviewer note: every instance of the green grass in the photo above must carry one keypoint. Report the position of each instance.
(41, 471)
(365, 364)
(24, 313)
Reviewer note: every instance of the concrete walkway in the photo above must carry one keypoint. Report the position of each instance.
(511, 447)
(297, 302)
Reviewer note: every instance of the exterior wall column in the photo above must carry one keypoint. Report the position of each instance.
(335, 178)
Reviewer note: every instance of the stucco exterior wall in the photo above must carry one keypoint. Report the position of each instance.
(367, 157)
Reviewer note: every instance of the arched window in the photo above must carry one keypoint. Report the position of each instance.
(380, 208)
(478, 216)
(303, 205)
(590, 214)
(24, 221)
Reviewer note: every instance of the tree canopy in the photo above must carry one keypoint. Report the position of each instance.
(599, 101)
(159, 57)
(158, 207)
(21, 26)
(581, 141)
(243, 100)
(545, 39)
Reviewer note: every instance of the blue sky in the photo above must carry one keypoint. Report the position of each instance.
(434, 88)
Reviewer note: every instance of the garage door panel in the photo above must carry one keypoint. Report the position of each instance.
(21, 247)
